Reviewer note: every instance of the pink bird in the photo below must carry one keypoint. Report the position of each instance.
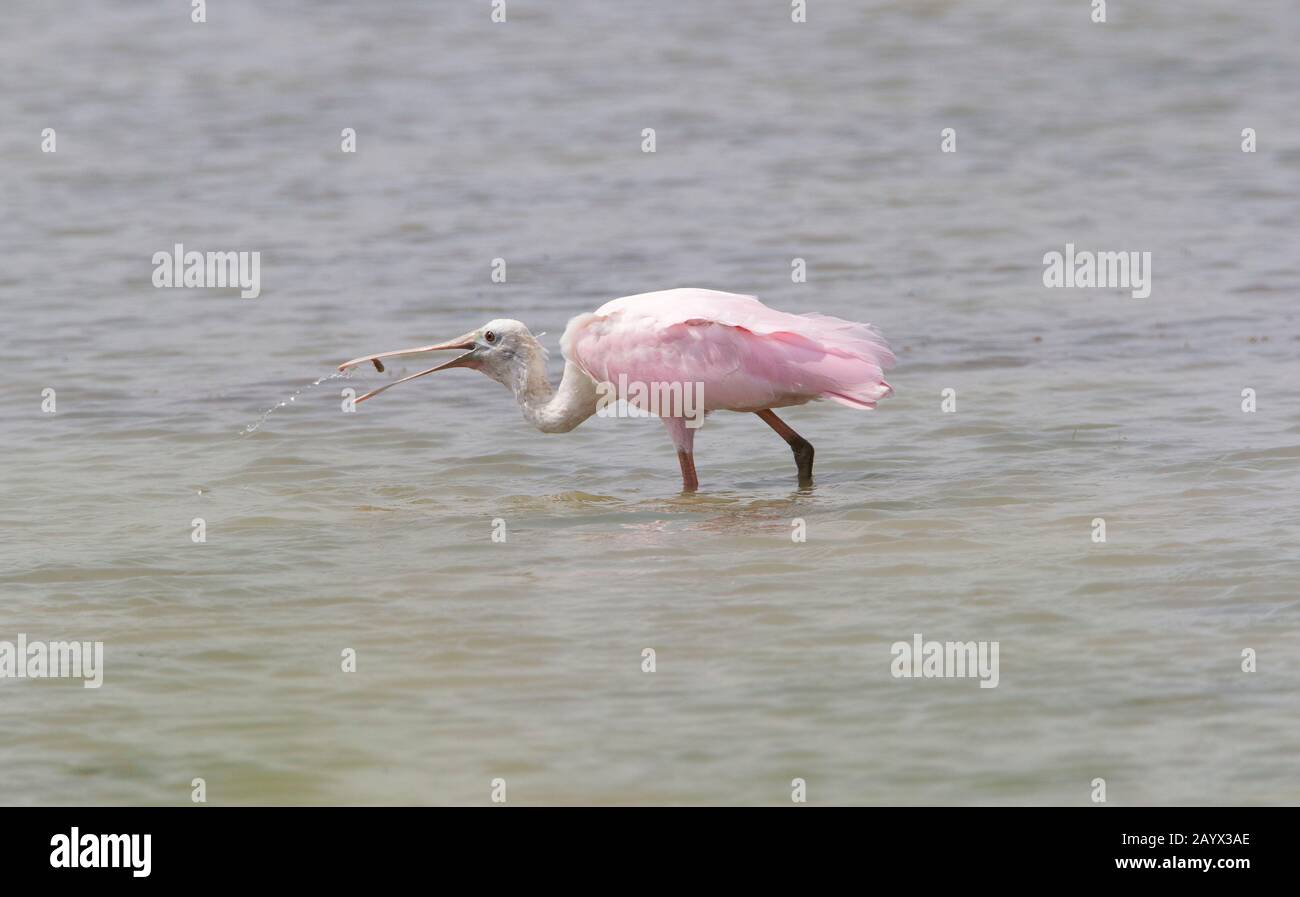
(678, 354)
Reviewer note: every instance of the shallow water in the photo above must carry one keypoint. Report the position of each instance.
(522, 660)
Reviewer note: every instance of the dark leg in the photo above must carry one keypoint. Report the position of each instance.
(684, 439)
(802, 448)
(690, 482)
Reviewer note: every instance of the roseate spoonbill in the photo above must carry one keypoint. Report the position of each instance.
(733, 351)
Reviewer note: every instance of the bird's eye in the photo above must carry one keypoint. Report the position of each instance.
(490, 337)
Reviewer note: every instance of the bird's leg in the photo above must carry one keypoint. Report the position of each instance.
(690, 482)
(802, 448)
(684, 438)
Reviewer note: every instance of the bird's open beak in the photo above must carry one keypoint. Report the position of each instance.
(462, 361)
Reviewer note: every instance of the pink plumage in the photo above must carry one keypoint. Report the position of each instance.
(678, 354)
(748, 356)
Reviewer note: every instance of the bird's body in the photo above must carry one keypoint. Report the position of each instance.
(730, 351)
(748, 356)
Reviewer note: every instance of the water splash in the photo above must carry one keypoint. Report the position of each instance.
(253, 427)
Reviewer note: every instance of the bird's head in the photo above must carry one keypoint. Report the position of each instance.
(502, 349)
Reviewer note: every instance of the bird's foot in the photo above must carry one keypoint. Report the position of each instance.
(803, 459)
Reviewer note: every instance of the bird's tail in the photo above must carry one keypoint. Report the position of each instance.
(857, 356)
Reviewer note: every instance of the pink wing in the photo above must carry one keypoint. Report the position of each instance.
(748, 356)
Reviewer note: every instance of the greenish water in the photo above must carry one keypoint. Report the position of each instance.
(478, 659)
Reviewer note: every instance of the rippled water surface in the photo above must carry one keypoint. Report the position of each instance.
(522, 660)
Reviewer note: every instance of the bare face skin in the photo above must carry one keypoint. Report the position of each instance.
(494, 349)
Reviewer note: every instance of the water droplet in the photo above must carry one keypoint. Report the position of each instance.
(337, 375)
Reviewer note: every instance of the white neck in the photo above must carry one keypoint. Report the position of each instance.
(549, 409)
